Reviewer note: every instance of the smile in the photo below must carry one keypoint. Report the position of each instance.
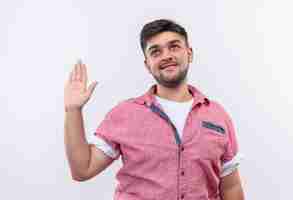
(169, 66)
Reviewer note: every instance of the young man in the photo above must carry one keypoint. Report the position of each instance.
(174, 142)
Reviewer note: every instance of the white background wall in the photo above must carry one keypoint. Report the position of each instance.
(245, 63)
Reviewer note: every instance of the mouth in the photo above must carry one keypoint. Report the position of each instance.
(168, 66)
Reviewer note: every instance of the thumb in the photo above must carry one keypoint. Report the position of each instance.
(91, 88)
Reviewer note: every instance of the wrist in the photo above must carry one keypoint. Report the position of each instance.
(72, 109)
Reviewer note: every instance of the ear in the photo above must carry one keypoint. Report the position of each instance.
(147, 66)
(190, 54)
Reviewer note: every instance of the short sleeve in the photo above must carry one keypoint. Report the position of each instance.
(107, 135)
(231, 158)
(102, 145)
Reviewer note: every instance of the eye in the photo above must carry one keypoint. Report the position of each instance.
(174, 47)
(155, 52)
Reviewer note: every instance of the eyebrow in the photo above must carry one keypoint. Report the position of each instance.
(157, 46)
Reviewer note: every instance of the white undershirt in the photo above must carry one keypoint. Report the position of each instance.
(176, 111)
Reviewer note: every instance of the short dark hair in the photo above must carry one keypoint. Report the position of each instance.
(158, 26)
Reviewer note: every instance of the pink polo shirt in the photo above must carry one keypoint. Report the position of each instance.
(157, 163)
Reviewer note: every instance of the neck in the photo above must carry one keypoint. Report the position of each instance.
(178, 94)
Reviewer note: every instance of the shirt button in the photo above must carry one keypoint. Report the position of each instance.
(182, 148)
(182, 196)
(182, 173)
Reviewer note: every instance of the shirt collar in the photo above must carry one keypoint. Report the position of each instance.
(148, 98)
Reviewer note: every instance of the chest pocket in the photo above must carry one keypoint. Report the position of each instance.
(213, 139)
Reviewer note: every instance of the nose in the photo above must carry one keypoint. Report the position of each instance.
(167, 55)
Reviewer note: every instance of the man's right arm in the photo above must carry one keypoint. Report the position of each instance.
(85, 160)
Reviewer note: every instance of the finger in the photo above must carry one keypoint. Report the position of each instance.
(84, 73)
(74, 73)
(79, 62)
(71, 76)
(81, 72)
(78, 72)
(92, 87)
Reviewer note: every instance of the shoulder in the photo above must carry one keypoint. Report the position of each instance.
(123, 108)
(218, 108)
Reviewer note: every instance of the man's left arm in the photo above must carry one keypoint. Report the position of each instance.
(230, 187)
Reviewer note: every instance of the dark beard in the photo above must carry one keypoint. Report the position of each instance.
(172, 83)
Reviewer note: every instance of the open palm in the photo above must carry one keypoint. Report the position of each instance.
(76, 93)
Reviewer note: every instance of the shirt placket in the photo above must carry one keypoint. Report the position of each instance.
(181, 188)
(182, 182)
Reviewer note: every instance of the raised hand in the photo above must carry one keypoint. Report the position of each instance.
(76, 93)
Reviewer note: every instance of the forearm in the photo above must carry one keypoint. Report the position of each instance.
(77, 148)
(233, 193)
